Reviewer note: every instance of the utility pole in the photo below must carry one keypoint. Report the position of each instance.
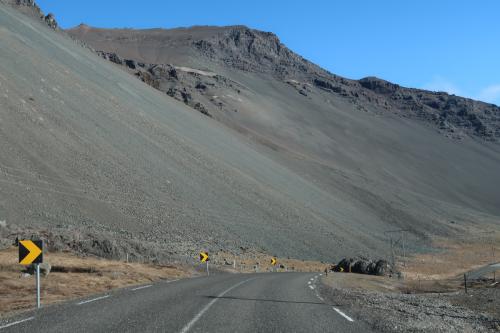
(394, 242)
(392, 253)
(404, 250)
(465, 282)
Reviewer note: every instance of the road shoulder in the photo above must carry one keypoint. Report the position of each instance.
(378, 302)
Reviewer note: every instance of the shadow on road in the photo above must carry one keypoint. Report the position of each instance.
(266, 300)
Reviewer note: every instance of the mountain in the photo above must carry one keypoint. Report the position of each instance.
(238, 48)
(291, 162)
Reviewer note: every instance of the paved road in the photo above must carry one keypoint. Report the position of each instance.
(476, 274)
(276, 302)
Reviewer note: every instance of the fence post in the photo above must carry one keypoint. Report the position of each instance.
(465, 282)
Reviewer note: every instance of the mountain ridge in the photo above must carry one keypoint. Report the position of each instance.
(246, 49)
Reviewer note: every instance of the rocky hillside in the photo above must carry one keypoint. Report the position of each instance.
(30, 8)
(248, 50)
(293, 162)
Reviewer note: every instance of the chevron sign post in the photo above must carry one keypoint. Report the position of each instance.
(31, 252)
(204, 257)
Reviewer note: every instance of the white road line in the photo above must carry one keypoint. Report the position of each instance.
(312, 287)
(142, 287)
(193, 321)
(172, 281)
(321, 298)
(309, 282)
(93, 300)
(343, 314)
(17, 322)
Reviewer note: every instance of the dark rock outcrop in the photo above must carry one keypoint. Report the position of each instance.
(187, 86)
(364, 266)
(51, 21)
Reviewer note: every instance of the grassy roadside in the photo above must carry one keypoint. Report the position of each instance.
(453, 258)
(72, 277)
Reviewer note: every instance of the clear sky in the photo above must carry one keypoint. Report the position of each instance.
(449, 45)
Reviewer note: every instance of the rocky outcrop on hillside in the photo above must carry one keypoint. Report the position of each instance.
(197, 89)
(252, 50)
(452, 115)
(51, 20)
(30, 8)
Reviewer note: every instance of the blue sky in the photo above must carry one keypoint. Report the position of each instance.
(449, 45)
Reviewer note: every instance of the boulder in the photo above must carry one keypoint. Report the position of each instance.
(382, 268)
(132, 64)
(361, 267)
(51, 21)
(345, 264)
(371, 268)
(113, 57)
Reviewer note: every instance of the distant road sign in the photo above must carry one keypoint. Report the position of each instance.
(204, 257)
(274, 261)
(30, 252)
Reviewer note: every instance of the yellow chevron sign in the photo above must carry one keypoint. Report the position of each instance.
(204, 256)
(30, 252)
(274, 261)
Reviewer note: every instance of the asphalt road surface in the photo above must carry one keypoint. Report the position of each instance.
(272, 302)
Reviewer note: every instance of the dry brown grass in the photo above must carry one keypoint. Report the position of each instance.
(440, 271)
(247, 263)
(18, 293)
(453, 258)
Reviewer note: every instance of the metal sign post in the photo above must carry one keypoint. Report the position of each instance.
(38, 286)
(208, 272)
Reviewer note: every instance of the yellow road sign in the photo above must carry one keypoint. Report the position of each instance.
(204, 256)
(30, 252)
(274, 261)
(341, 269)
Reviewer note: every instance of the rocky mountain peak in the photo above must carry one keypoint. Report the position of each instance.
(252, 50)
(378, 85)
